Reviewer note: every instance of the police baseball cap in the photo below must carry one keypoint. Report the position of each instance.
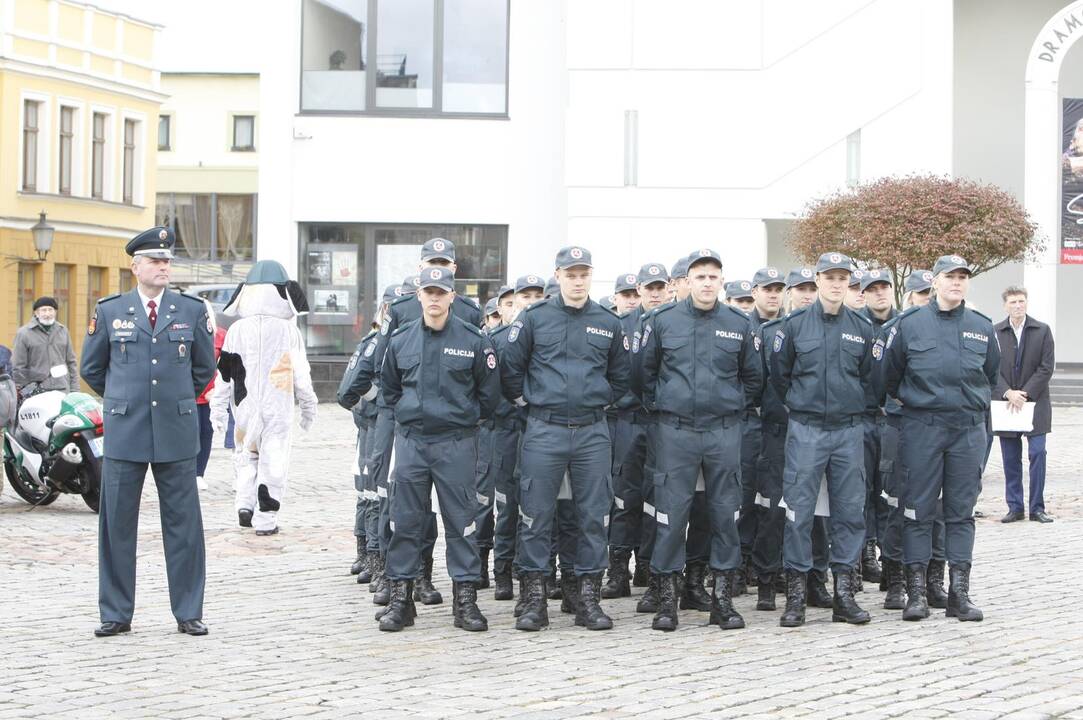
(410, 284)
(738, 289)
(767, 276)
(918, 281)
(490, 307)
(391, 292)
(552, 287)
(704, 254)
(573, 256)
(680, 269)
(625, 282)
(833, 261)
(607, 303)
(504, 290)
(947, 263)
(438, 248)
(855, 277)
(871, 277)
(529, 281)
(652, 273)
(800, 276)
(438, 277)
(155, 243)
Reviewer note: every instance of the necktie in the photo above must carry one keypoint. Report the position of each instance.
(153, 314)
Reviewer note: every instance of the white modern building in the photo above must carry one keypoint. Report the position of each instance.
(639, 129)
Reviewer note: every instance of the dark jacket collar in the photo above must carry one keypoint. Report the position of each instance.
(1006, 324)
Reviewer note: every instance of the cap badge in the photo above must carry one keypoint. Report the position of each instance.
(835, 257)
(434, 274)
(576, 253)
(163, 234)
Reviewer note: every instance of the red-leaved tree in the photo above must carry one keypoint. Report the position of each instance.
(906, 223)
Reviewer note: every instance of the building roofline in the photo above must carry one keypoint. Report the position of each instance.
(114, 13)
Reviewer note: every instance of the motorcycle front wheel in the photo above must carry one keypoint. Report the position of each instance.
(25, 487)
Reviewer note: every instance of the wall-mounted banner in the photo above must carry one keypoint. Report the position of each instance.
(1071, 191)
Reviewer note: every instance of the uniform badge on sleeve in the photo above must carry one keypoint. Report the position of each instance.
(513, 334)
(353, 362)
(878, 350)
(93, 326)
(210, 325)
(635, 343)
(779, 338)
(491, 361)
(384, 325)
(369, 349)
(627, 345)
(891, 337)
(756, 342)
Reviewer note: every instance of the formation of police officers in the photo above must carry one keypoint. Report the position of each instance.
(800, 424)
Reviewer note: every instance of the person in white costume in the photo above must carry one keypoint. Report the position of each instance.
(262, 368)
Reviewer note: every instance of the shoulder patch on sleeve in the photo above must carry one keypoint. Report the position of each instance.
(780, 337)
(513, 332)
(756, 342)
(878, 349)
(92, 327)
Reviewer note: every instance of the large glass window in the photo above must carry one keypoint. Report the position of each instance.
(210, 226)
(345, 267)
(30, 145)
(405, 57)
(62, 292)
(67, 117)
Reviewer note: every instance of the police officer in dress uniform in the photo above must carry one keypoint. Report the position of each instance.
(149, 353)
(941, 362)
(699, 371)
(821, 367)
(440, 378)
(566, 360)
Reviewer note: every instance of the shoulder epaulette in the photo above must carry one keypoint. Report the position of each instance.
(404, 327)
(107, 298)
(735, 310)
(471, 327)
(979, 313)
(861, 315)
(368, 337)
(795, 313)
(659, 310)
(772, 322)
(905, 313)
(497, 331)
(404, 298)
(469, 301)
(196, 298)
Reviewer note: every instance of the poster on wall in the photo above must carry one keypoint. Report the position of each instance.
(1071, 190)
(395, 263)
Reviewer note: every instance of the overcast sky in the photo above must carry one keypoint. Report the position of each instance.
(202, 35)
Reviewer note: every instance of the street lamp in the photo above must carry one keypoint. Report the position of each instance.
(43, 237)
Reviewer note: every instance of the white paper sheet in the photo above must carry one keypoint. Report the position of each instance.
(1005, 420)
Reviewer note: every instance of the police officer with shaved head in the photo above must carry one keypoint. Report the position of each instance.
(566, 360)
(821, 368)
(941, 361)
(699, 372)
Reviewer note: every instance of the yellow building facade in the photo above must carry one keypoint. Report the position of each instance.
(79, 103)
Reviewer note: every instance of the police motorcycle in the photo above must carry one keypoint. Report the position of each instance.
(55, 445)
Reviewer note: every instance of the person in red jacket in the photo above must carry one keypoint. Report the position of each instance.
(206, 431)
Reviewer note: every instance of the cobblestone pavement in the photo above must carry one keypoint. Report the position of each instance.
(292, 634)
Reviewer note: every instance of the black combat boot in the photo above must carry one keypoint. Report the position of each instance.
(360, 563)
(464, 607)
(369, 571)
(722, 613)
(618, 584)
(642, 575)
(502, 582)
(649, 602)
(859, 586)
(521, 602)
(588, 612)
(959, 605)
(765, 592)
(569, 592)
(934, 585)
(751, 578)
(895, 599)
(694, 596)
(845, 608)
(483, 553)
(382, 594)
(535, 615)
(917, 605)
(377, 566)
(870, 569)
(817, 595)
(553, 586)
(424, 592)
(666, 617)
(794, 614)
(400, 611)
(740, 583)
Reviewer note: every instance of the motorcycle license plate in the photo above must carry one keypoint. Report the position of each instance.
(96, 445)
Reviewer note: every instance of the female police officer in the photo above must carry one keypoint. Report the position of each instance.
(940, 361)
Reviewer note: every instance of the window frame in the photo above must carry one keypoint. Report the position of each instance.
(212, 257)
(168, 147)
(436, 111)
(62, 292)
(109, 115)
(42, 144)
(233, 146)
(138, 157)
(66, 156)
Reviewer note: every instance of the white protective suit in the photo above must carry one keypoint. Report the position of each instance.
(273, 370)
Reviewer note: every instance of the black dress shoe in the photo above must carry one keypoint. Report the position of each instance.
(109, 629)
(192, 627)
(244, 518)
(1041, 516)
(1013, 516)
(272, 531)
